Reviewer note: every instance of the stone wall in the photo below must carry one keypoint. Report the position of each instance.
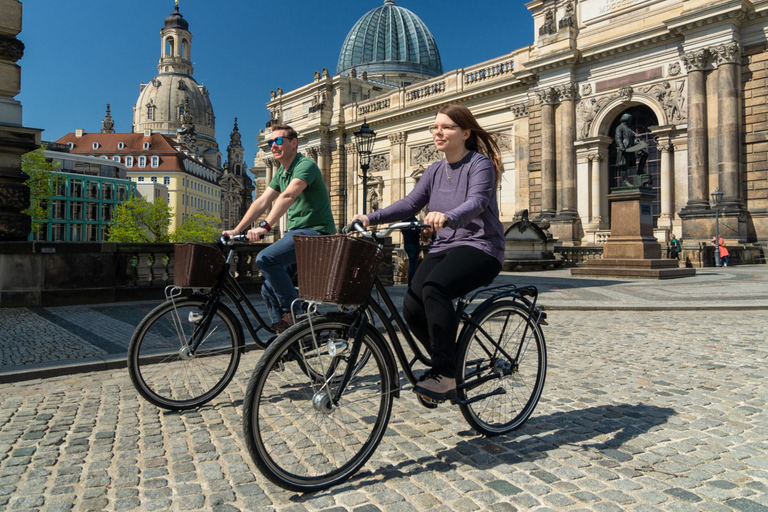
(755, 111)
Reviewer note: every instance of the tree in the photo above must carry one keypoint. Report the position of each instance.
(138, 221)
(43, 182)
(200, 227)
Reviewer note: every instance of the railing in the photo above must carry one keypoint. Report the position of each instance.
(575, 255)
(373, 106)
(473, 76)
(424, 91)
(63, 273)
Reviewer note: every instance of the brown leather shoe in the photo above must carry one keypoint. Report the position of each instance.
(436, 386)
(284, 323)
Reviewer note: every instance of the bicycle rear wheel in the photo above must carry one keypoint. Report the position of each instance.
(159, 361)
(504, 325)
(295, 435)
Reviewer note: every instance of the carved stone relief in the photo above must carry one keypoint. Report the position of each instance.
(625, 93)
(379, 163)
(587, 110)
(504, 141)
(674, 69)
(422, 156)
(586, 89)
(520, 110)
(671, 97)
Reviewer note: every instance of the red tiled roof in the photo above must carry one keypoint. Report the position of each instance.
(171, 159)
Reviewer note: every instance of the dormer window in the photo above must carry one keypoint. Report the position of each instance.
(129, 161)
(116, 159)
(146, 146)
(71, 145)
(121, 145)
(95, 145)
(142, 161)
(155, 161)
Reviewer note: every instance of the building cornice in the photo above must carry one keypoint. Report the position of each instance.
(735, 10)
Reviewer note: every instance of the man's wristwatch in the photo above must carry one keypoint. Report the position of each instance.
(264, 224)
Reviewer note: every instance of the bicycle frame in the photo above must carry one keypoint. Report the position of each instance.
(395, 344)
(228, 286)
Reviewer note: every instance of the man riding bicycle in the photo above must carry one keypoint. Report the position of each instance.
(298, 189)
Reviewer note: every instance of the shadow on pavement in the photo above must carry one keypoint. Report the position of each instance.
(538, 436)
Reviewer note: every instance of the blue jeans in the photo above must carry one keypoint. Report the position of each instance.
(277, 263)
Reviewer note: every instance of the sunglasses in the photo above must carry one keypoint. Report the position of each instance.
(278, 140)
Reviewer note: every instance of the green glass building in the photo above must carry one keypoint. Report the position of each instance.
(84, 202)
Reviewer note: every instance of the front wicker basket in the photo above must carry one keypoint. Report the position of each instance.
(337, 269)
(196, 265)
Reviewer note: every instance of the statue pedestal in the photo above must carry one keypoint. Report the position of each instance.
(632, 251)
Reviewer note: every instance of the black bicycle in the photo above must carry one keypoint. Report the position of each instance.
(319, 401)
(187, 349)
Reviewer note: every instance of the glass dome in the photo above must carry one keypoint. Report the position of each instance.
(390, 39)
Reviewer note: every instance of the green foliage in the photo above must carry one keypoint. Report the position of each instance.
(200, 227)
(138, 221)
(43, 182)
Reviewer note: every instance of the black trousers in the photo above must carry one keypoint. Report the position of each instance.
(428, 306)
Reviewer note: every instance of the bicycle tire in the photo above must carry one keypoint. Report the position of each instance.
(294, 437)
(504, 321)
(161, 371)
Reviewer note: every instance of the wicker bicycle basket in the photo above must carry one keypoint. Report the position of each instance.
(337, 269)
(196, 265)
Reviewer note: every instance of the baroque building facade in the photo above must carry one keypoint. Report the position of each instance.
(692, 74)
(173, 140)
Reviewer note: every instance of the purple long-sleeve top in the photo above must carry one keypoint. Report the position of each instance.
(465, 192)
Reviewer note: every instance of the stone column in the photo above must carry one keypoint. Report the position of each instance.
(269, 173)
(567, 95)
(727, 58)
(397, 165)
(15, 140)
(596, 182)
(666, 216)
(698, 168)
(352, 180)
(548, 98)
(323, 154)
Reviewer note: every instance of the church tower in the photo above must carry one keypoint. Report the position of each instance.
(173, 103)
(237, 187)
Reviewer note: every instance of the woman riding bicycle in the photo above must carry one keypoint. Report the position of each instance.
(468, 251)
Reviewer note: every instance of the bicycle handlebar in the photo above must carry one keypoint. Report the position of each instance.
(357, 225)
(230, 240)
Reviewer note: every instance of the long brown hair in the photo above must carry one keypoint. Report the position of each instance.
(479, 140)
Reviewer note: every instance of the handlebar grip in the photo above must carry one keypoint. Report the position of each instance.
(356, 224)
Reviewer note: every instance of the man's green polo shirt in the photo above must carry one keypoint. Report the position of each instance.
(312, 209)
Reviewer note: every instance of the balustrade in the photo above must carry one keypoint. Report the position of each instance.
(474, 76)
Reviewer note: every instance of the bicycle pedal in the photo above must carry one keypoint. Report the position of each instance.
(427, 402)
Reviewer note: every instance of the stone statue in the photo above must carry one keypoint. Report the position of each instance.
(630, 150)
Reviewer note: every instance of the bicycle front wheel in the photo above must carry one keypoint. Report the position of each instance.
(297, 436)
(502, 366)
(161, 365)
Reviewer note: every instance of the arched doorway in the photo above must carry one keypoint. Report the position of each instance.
(643, 119)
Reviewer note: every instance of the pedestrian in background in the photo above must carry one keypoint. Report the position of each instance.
(412, 246)
(675, 247)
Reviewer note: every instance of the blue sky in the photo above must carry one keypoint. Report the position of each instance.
(82, 54)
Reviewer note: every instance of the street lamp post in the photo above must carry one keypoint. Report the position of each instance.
(364, 138)
(717, 196)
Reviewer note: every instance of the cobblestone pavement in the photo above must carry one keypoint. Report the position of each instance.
(642, 410)
(99, 333)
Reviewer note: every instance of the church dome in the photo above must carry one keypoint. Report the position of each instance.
(390, 39)
(165, 100)
(176, 20)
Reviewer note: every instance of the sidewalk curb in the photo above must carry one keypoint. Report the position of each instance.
(46, 370)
